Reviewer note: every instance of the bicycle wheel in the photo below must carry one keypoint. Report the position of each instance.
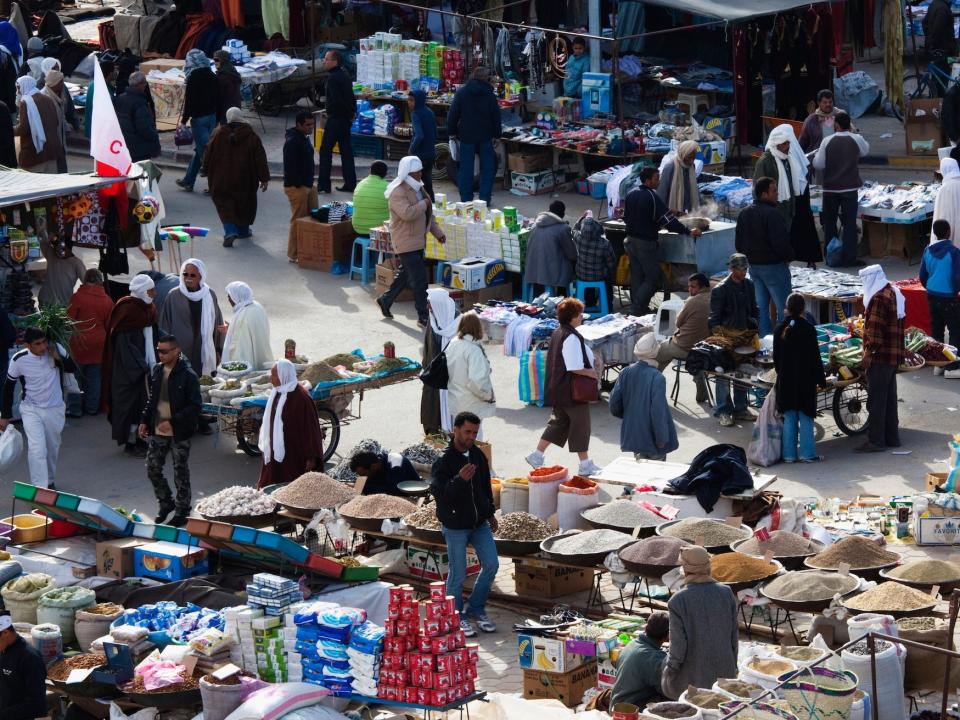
(850, 409)
(916, 86)
(330, 427)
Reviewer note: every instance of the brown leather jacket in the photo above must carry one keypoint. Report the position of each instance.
(410, 219)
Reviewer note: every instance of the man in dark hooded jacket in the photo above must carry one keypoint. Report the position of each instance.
(423, 144)
(474, 120)
(136, 121)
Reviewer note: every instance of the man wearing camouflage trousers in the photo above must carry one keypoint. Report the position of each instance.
(168, 422)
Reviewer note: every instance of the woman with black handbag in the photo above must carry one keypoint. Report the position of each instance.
(570, 388)
(435, 416)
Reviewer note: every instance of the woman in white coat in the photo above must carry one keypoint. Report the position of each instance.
(248, 336)
(469, 387)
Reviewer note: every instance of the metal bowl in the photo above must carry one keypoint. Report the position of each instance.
(413, 487)
(896, 614)
(167, 700)
(88, 688)
(713, 549)
(945, 587)
(696, 223)
(371, 524)
(248, 520)
(744, 584)
(583, 559)
(518, 548)
(789, 562)
(808, 606)
(867, 573)
(430, 536)
(645, 530)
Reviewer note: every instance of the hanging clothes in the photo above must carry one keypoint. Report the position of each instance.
(232, 13)
(748, 81)
(197, 24)
(276, 17)
(631, 20)
(892, 24)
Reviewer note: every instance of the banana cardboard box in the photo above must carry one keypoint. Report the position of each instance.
(169, 561)
(546, 654)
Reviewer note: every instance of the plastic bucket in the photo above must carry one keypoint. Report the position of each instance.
(625, 711)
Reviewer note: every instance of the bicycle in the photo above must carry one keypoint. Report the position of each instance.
(931, 83)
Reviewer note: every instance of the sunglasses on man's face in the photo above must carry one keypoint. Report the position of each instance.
(166, 351)
(186, 274)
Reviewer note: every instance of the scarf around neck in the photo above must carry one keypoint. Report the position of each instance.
(675, 198)
(277, 449)
(208, 315)
(28, 87)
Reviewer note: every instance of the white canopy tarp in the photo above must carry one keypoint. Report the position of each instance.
(731, 10)
(19, 186)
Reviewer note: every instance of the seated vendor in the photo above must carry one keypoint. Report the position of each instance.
(577, 64)
(23, 691)
(383, 472)
(641, 664)
(370, 207)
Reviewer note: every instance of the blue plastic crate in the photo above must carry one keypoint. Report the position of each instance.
(598, 190)
(367, 146)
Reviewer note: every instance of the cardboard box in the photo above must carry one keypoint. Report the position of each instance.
(115, 557)
(934, 480)
(567, 687)
(529, 161)
(936, 530)
(539, 183)
(547, 654)
(384, 274)
(606, 673)
(161, 64)
(319, 244)
(474, 273)
(533, 580)
(713, 153)
(922, 128)
(434, 565)
(169, 561)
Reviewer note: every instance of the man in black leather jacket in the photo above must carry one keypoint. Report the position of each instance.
(461, 487)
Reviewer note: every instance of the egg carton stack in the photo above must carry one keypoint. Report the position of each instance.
(410, 63)
(239, 52)
(385, 117)
(238, 625)
(322, 640)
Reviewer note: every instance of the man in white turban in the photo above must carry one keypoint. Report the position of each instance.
(248, 336)
(192, 314)
(411, 216)
(883, 353)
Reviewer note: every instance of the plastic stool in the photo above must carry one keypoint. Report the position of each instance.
(580, 293)
(441, 264)
(693, 101)
(363, 269)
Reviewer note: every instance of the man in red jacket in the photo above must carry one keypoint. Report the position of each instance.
(90, 308)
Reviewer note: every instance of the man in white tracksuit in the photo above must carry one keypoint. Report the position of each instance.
(38, 368)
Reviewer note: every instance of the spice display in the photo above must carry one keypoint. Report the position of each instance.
(388, 365)
(424, 518)
(237, 500)
(589, 542)
(706, 699)
(237, 366)
(931, 571)
(319, 372)
(856, 551)
(862, 648)
(671, 710)
(781, 543)
(624, 514)
(890, 596)
(422, 454)
(61, 670)
(713, 532)
(655, 551)
(735, 567)
(917, 623)
(347, 562)
(802, 653)
(314, 491)
(766, 666)
(519, 526)
(544, 471)
(803, 586)
(104, 608)
(232, 680)
(738, 687)
(348, 360)
(187, 683)
(377, 507)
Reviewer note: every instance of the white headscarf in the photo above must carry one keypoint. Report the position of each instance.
(874, 280)
(288, 381)
(646, 349)
(242, 297)
(796, 158)
(443, 313)
(139, 286)
(409, 164)
(27, 87)
(234, 114)
(48, 64)
(949, 169)
(208, 316)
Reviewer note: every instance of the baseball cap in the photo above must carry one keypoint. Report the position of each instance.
(738, 260)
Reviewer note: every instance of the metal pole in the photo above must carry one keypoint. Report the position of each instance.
(913, 40)
(871, 644)
(954, 607)
(618, 94)
(596, 28)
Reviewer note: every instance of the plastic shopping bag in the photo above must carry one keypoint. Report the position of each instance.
(11, 445)
(767, 444)
(835, 252)
(533, 376)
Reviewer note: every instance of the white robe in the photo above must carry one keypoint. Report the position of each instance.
(947, 205)
(250, 339)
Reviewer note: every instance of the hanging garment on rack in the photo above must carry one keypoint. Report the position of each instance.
(632, 20)
(197, 24)
(276, 17)
(502, 64)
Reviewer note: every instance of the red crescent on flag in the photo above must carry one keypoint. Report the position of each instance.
(116, 146)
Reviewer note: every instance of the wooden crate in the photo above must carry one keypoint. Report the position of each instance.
(320, 244)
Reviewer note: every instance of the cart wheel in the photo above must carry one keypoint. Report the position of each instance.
(330, 427)
(248, 435)
(850, 409)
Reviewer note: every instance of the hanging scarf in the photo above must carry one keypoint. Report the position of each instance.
(139, 287)
(874, 280)
(242, 297)
(10, 42)
(288, 382)
(409, 164)
(798, 163)
(208, 316)
(195, 59)
(675, 198)
(27, 87)
(443, 313)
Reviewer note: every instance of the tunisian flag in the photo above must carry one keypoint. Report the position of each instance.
(107, 146)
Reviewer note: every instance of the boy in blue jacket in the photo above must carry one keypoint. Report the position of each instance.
(940, 275)
(423, 144)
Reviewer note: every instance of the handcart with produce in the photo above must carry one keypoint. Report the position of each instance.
(238, 395)
(841, 351)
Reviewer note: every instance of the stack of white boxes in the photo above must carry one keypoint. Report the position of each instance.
(410, 62)
(239, 53)
(474, 230)
(294, 665)
(239, 623)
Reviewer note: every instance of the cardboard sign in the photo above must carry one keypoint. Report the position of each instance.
(80, 675)
(934, 590)
(699, 540)
(844, 569)
(636, 531)
(768, 556)
(228, 670)
(669, 511)
(734, 521)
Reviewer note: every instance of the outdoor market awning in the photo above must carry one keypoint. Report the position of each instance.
(731, 10)
(19, 186)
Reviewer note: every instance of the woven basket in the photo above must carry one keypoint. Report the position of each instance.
(821, 694)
